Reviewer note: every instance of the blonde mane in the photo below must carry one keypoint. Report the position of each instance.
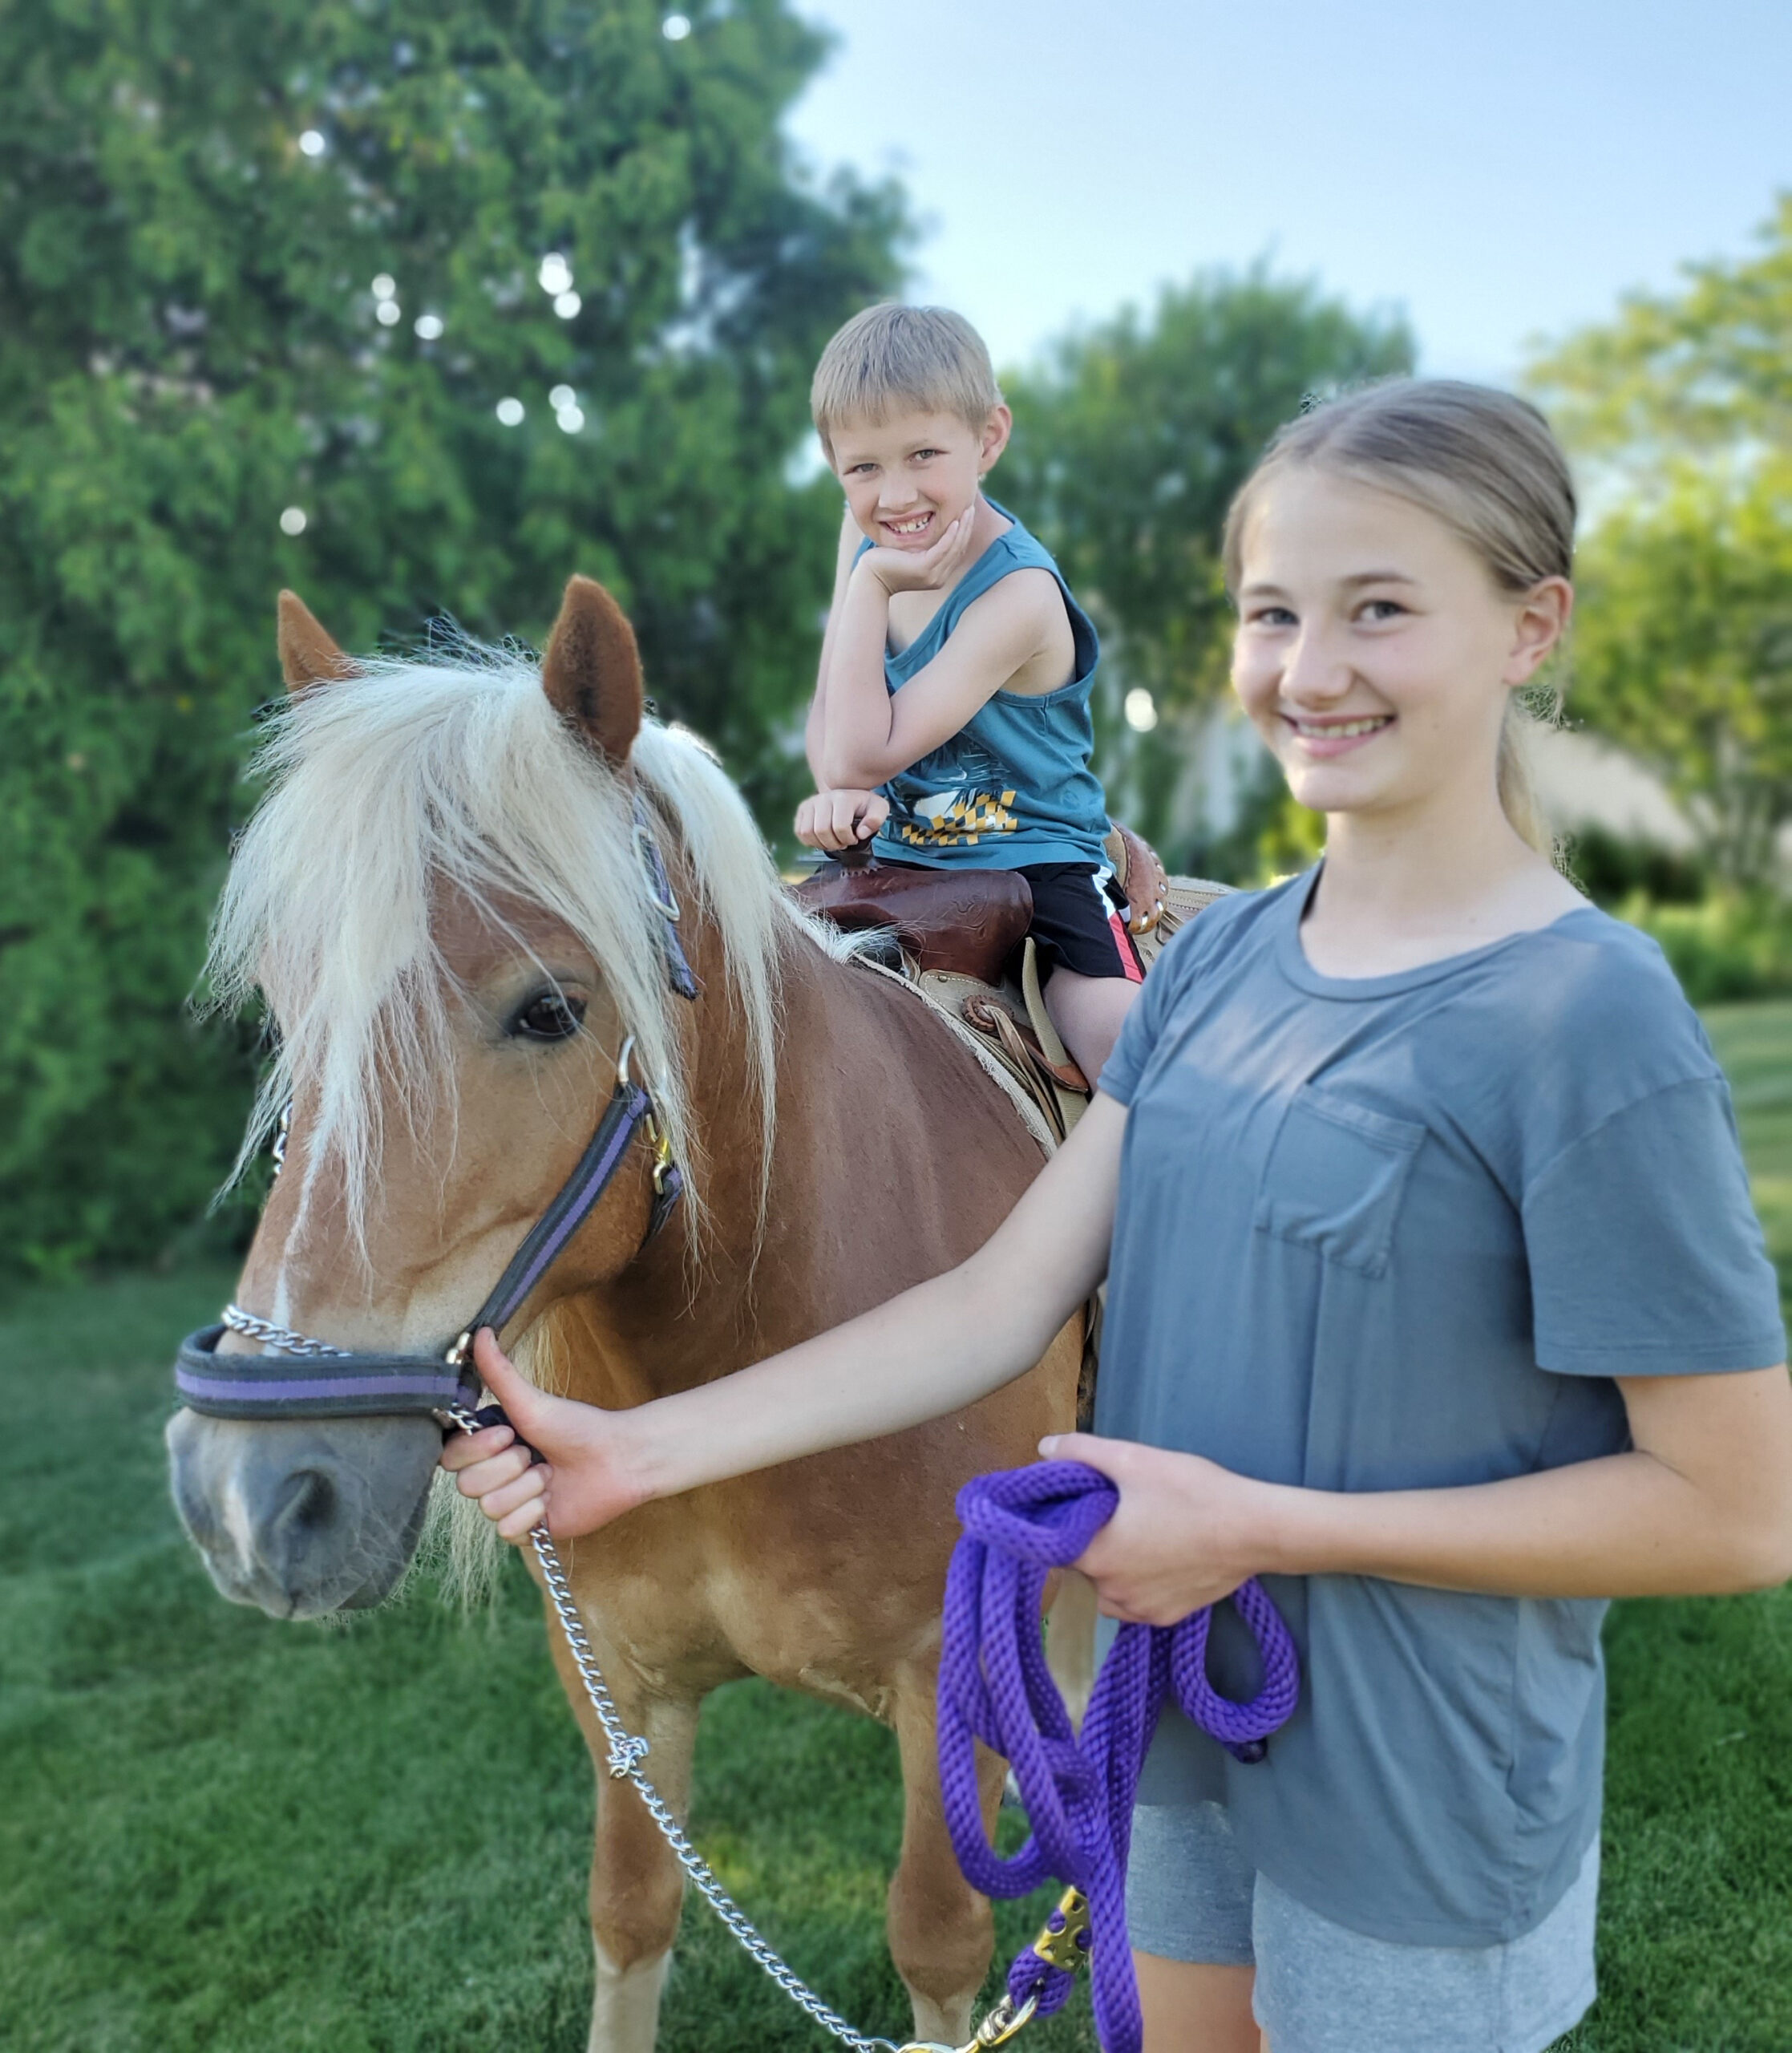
(411, 775)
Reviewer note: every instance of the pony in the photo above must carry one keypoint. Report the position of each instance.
(443, 902)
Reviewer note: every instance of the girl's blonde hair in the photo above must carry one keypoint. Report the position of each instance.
(890, 357)
(1484, 463)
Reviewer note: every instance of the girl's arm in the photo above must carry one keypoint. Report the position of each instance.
(933, 1349)
(1702, 1502)
(814, 730)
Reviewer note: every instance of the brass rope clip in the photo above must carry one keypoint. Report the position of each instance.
(1060, 1944)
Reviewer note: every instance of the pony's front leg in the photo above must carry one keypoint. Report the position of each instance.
(636, 1885)
(1071, 1642)
(941, 1931)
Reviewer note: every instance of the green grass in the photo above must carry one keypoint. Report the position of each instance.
(220, 1832)
(1754, 1045)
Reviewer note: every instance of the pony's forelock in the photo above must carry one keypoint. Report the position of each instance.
(413, 776)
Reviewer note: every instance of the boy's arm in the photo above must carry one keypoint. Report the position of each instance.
(872, 733)
(815, 727)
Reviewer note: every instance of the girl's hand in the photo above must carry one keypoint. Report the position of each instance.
(1183, 1536)
(927, 570)
(585, 1479)
(834, 820)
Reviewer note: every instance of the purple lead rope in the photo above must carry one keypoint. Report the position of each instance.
(1019, 1524)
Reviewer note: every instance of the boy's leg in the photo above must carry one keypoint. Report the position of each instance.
(1190, 2006)
(1090, 964)
(1088, 1012)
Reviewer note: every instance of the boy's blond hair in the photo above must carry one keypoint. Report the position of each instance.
(891, 357)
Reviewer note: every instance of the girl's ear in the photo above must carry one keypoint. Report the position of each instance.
(592, 670)
(996, 432)
(1543, 621)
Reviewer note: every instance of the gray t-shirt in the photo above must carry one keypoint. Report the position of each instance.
(1401, 1232)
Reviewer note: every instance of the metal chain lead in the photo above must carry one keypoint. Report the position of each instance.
(626, 1753)
(281, 1339)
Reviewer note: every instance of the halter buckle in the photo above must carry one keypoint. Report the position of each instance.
(659, 888)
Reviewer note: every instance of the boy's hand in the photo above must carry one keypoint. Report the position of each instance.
(584, 1479)
(834, 820)
(904, 570)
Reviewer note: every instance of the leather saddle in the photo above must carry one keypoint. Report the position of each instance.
(963, 940)
(966, 922)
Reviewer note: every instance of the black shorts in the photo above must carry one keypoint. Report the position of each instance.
(1079, 921)
(1079, 918)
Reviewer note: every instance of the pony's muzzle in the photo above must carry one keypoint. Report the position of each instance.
(302, 1518)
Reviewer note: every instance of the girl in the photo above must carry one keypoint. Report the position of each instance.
(1435, 1296)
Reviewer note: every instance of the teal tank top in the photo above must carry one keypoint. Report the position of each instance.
(1013, 786)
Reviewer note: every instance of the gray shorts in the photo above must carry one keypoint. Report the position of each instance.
(1320, 1988)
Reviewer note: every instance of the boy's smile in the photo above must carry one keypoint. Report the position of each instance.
(907, 479)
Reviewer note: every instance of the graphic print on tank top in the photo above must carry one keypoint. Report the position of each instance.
(951, 799)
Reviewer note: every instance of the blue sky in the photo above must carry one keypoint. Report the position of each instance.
(1499, 172)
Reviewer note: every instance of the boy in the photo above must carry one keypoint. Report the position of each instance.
(951, 722)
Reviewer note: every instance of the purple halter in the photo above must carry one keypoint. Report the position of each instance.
(994, 1685)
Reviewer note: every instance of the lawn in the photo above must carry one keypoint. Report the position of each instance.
(222, 1833)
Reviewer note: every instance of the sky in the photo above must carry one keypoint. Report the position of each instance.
(1501, 173)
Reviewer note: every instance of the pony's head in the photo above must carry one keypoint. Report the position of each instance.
(444, 904)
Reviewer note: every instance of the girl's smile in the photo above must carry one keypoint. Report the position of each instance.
(1374, 653)
(1323, 739)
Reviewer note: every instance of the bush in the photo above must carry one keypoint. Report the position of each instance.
(1736, 944)
(1611, 868)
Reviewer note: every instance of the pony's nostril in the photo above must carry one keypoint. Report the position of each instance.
(307, 1502)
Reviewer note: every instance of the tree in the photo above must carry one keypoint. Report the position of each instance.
(269, 272)
(1683, 653)
(1129, 441)
(1681, 412)
(1702, 374)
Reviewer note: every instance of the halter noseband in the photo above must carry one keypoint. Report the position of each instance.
(337, 1383)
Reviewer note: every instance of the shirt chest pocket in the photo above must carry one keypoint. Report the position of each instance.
(1335, 1178)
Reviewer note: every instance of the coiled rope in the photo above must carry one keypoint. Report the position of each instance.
(994, 1685)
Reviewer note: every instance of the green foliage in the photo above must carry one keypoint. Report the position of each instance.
(1684, 653)
(1610, 868)
(189, 345)
(1129, 441)
(1732, 945)
(1690, 373)
(1681, 408)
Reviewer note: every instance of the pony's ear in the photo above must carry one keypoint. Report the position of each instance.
(592, 670)
(308, 656)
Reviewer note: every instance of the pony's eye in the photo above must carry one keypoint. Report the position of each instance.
(549, 1016)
